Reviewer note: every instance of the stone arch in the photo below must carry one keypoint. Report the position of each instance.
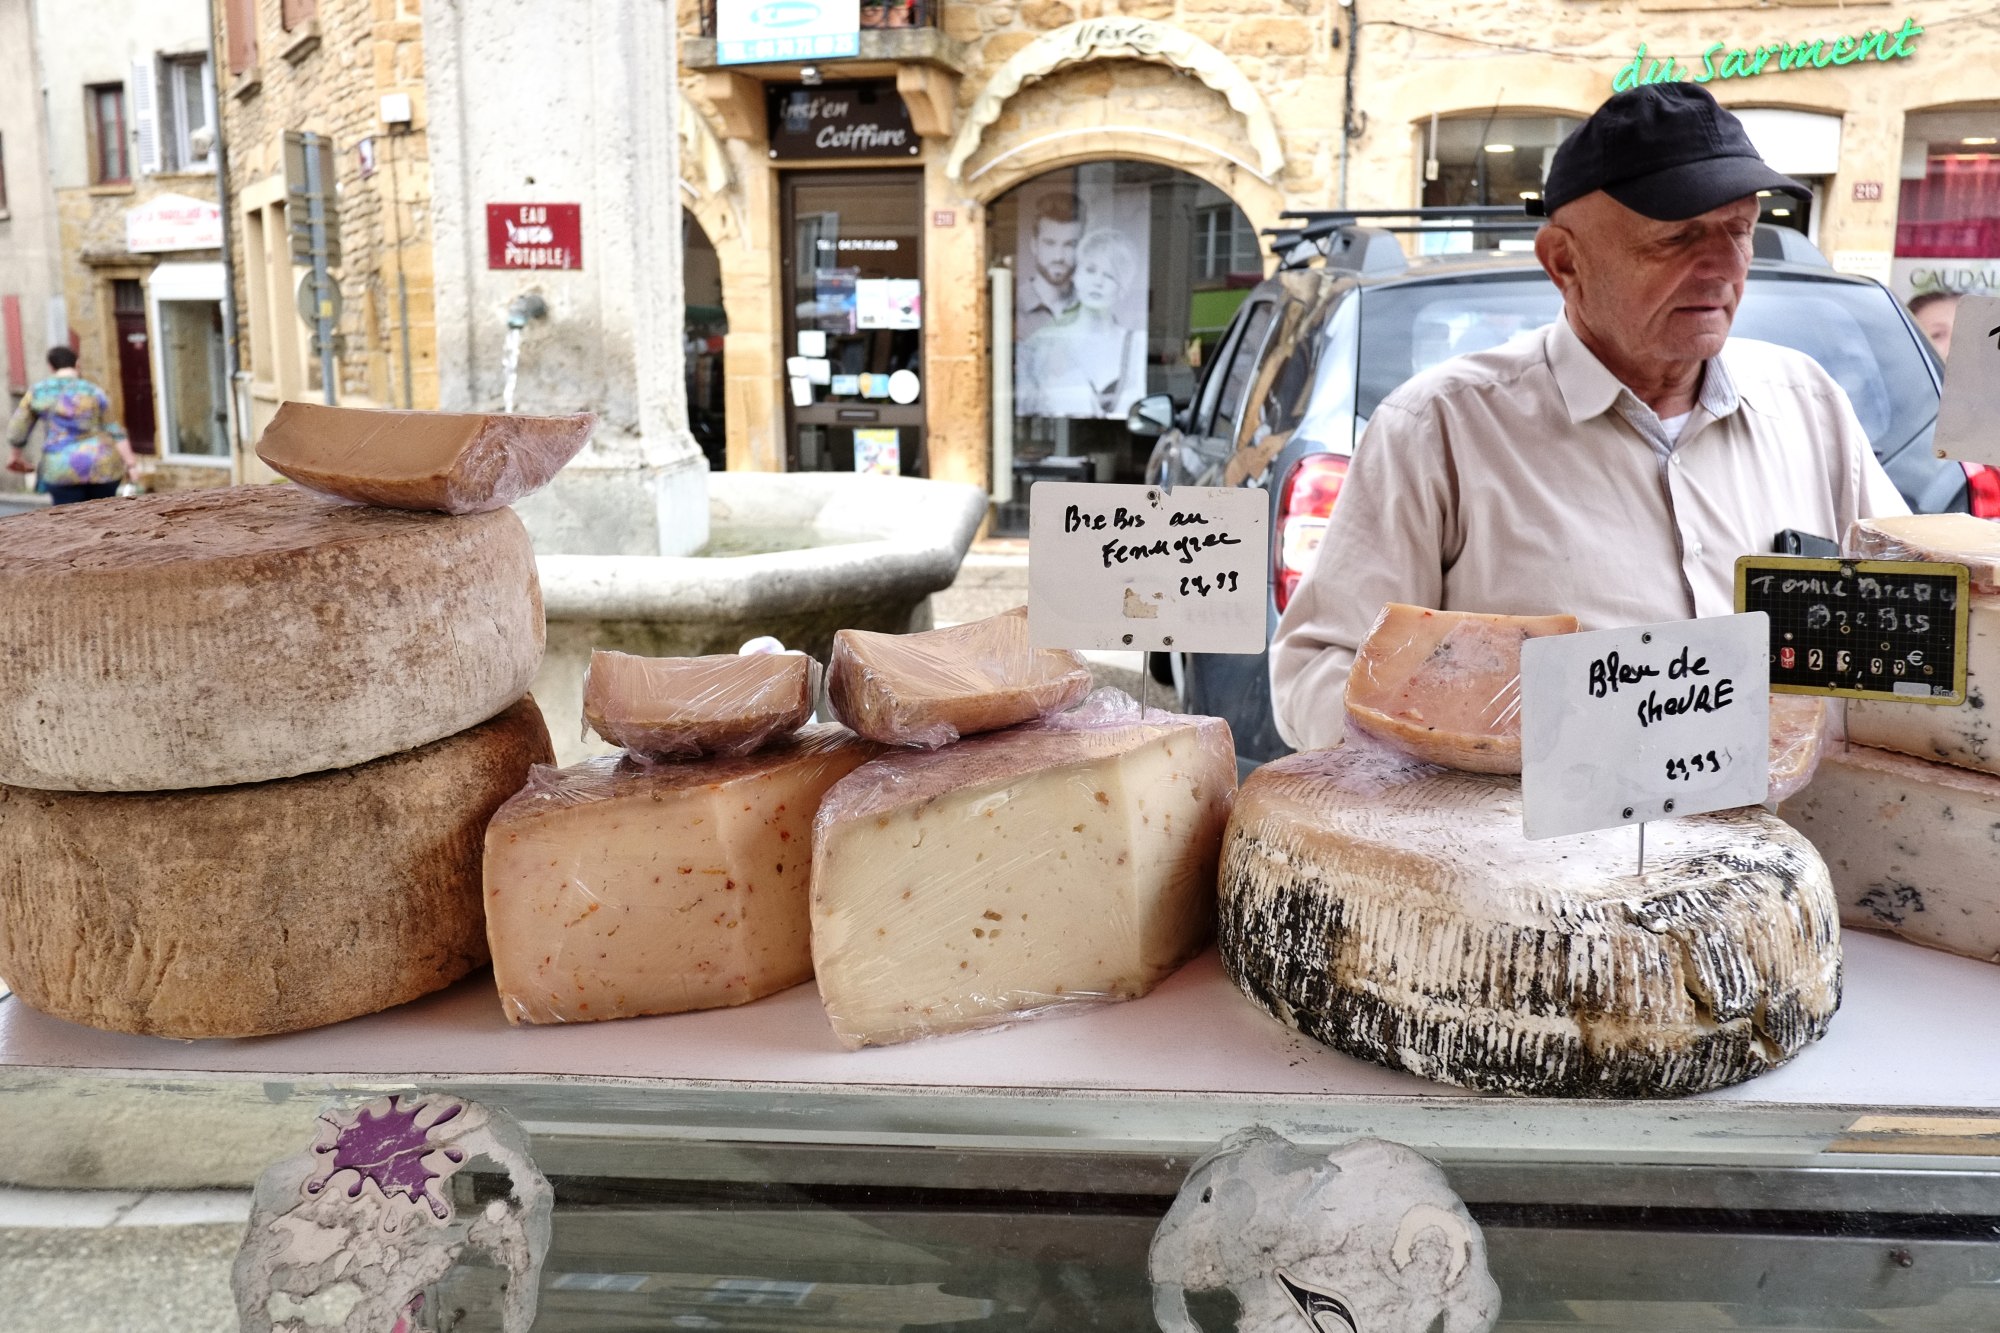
(1121, 39)
(1260, 200)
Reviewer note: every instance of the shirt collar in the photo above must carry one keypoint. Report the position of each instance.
(1589, 390)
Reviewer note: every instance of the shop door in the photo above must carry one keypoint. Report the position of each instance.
(135, 362)
(853, 339)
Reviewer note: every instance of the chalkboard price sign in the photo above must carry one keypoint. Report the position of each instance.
(1861, 629)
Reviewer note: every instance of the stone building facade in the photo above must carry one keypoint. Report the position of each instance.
(1190, 126)
(350, 70)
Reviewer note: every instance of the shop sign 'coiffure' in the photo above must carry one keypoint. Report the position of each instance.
(1726, 60)
(841, 120)
(534, 236)
(749, 31)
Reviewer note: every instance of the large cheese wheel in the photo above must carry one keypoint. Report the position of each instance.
(251, 633)
(257, 909)
(1394, 910)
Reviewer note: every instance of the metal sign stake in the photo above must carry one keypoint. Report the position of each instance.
(322, 282)
(1642, 849)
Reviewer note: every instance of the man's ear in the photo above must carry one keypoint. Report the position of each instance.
(1555, 250)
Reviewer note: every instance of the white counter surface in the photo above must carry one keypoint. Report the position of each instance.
(1917, 1029)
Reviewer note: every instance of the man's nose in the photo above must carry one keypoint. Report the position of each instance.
(1724, 255)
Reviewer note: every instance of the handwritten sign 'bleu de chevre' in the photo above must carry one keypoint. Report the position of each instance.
(1861, 629)
(1968, 425)
(1621, 726)
(1138, 567)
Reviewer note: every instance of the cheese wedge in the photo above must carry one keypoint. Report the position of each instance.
(1913, 847)
(616, 887)
(1948, 539)
(1445, 686)
(1394, 910)
(1798, 739)
(1043, 866)
(249, 910)
(206, 638)
(931, 688)
(671, 707)
(451, 462)
(1967, 734)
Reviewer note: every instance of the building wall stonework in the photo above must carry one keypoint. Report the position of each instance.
(329, 76)
(1407, 63)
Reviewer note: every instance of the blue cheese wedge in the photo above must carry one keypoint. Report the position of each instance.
(1967, 735)
(1394, 910)
(1913, 847)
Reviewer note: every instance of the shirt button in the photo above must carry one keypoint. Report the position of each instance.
(1673, 460)
(1694, 548)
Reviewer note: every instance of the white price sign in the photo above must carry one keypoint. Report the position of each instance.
(1147, 569)
(1968, 424)
(1625, 725)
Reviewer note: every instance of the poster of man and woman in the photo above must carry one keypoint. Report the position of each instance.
(1082, 262)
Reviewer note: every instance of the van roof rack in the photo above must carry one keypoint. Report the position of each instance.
(1363, 239)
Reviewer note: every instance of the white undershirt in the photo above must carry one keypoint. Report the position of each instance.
(1672, 425)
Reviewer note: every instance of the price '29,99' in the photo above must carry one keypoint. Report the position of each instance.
(1684, 770)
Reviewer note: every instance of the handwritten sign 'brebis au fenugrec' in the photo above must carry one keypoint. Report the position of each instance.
(1141, 568)
(1622, 726)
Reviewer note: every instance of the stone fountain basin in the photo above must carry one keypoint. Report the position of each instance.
(868, 553)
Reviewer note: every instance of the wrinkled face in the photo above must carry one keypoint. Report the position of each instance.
(1055, 250)
(1650, 291)
(1097, 284)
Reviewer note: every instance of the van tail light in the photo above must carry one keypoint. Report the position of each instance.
(1985, 486)
(1303, 505)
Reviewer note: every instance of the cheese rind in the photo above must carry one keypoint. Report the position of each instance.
(203, 639)
(1395, 911)
(616, 887)
(1913, 847)
(250, 910)
(931, 688)
(1044, 866)
(677, 707)
(1967, 734)
(1445, 686)
(450, 462)
(1948, 539)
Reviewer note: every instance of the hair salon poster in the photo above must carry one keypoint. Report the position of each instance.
(1081, 266)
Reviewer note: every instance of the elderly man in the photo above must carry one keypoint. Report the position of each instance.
(1613, 465)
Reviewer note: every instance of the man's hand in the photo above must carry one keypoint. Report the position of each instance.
(17, 459)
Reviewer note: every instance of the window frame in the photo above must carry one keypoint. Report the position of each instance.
(95, 96)
(177, 152)
(4, 212)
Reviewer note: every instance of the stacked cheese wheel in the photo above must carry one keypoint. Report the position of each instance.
(1908, 814)
(972, 855)
(251, 740)
(1387, 903)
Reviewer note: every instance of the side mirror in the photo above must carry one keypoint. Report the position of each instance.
(1151, 416)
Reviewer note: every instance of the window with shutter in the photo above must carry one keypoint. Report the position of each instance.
(296, 12)
(3, 176)
(185, 114)
(144, 90)
(110, 163)
(239, 23)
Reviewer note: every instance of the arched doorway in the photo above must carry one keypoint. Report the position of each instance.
(707, 323)
(1124, 275)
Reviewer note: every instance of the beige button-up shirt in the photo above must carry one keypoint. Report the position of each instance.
(1527, 480)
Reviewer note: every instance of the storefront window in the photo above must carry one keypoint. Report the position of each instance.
(1126, 275)
(1485, 160)
(707, 325)
(1947, 217)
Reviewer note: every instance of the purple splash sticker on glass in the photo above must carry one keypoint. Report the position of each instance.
(389, 1148)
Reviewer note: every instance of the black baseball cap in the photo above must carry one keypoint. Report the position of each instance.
(1665, 150)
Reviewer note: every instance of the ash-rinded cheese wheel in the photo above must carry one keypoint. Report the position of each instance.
(251, 633)
(258, 909)
(1394, 910)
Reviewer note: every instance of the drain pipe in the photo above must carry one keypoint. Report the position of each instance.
(1352, 123)
(526, 306)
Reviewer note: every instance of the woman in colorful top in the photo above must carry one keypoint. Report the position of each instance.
(84, 452)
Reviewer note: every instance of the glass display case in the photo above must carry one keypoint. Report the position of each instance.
(737, 1170)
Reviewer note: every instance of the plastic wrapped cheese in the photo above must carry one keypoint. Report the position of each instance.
(451, 462)
(1946, 539)
(931, 688)
(1394, 910)
(616, 888)
(1799, 737)
(1445, 686)
(679, 707)
(1062, 862)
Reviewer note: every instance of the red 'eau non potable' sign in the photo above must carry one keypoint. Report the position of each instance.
(534, 236)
